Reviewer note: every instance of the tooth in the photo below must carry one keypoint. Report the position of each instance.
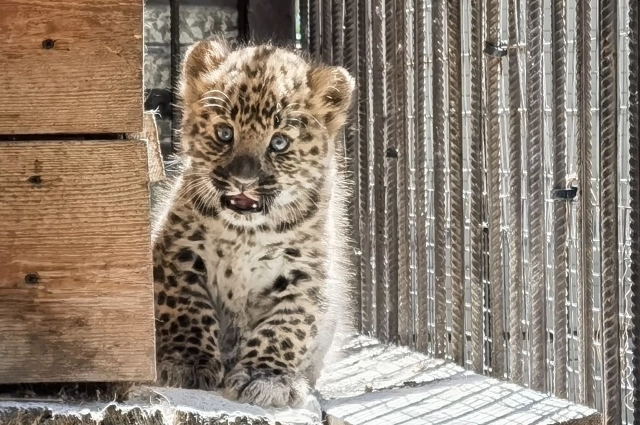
(254, 205)
(232, 202)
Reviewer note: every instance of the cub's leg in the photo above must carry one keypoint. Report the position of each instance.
(274, 346)
(187, 328)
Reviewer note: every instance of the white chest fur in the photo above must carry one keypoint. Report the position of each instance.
(241, 268)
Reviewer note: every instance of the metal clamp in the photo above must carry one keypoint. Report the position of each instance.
(566, 194)
(498, 51)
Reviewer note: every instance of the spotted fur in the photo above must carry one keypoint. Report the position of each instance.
(250, 302)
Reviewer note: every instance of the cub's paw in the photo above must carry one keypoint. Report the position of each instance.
(265, 388)
(201, 373)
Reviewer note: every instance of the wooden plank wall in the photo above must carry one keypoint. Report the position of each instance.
(76, 292)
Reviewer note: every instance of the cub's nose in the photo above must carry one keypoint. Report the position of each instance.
(244, 168)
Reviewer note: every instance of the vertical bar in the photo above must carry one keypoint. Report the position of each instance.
(439, 158)
(493, 72)
(352, 141)
(327, 31)
(476, 183)
(304, 24)
(559, 58)
(422, 331)
(367, 158)
(174, 24)
(314, 27)
(407, 300)
(608, 89)
(585, 209)
(634, 158)
(393, 139)
(403, 28)
(338, 29)
(454, 31)
(516, 292)
(535, 156)
(381, 184)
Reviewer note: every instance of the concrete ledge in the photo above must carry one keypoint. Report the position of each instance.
(365, 383)
(154, 406)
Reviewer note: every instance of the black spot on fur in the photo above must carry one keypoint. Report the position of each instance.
(267, 333)
(255, 342)
(314, 150)
(220, 253)
(297, 276)
(208, 321)
(191, 277)
(280, 284)
(184, 320)
(292, 252)
(197, 236)
(158, 273)
(198, 265)
(251, 354)
(171, 302)
(228, 272)
(272, 349)
(184, 255)
(162, 297)
(286, 344)
(289, 356)
(300, 334)
(230, 294)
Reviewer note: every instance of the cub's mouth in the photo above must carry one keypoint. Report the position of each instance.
(242, 204)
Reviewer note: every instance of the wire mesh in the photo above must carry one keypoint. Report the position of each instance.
(489, 229)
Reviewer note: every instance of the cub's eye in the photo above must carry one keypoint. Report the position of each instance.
(224, 133)
(279, 143)
(276, 120)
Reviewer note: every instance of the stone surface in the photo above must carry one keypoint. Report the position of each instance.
(365, 383)
(375, 384)
(153, 406)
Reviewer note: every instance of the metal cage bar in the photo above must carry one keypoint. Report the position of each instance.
(516, 292)
(634, 158)
(535, 150)
(440, 162)
(492, 81)
(585, 208)
(454, 45)
(608, 91)
(559, 58)
(422, 331)
(476, 188)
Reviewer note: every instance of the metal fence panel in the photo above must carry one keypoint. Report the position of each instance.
(489, 230)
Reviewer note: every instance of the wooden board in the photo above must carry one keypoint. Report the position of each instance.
(76, 297)
(71, 66)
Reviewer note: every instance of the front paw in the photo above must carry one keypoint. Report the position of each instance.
(202, 373)
(265, 388)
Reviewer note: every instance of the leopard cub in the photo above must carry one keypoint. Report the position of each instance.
(250, 255)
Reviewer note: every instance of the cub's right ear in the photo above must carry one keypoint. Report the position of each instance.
(200, 60)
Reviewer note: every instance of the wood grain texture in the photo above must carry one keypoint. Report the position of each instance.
(88, 81)
(75, 223)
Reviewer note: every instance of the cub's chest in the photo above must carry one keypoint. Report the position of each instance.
(238, 270)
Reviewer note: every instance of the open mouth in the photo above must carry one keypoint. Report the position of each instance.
(242, 204)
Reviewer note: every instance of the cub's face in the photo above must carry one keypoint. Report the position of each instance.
(259, 125)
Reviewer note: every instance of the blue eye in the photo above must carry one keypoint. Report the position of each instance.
(279, 143)
(224, 133)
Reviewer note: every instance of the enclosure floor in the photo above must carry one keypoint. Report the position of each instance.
(376, 384)
(366, 382)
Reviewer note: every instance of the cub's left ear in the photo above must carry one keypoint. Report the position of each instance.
(332, 88)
